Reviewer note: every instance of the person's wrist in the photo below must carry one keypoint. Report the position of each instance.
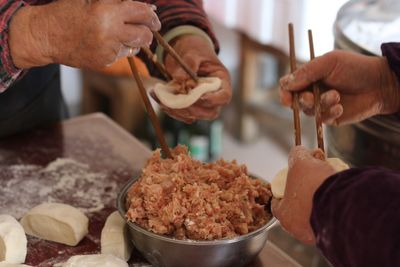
(390, 88)
(28, 39)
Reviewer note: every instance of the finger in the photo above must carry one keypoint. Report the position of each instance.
(329, 99)
(201, 113)
(318, 154)
(298, 153)
(135, 35)
(332, 115)
(127, 52)
(135, 12)
(285, 97)
(306, 100)
(218, 98)
(315, 70)
(179, 114)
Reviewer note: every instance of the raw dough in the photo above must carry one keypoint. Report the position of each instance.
(12, 240)
(165, 92)
(278, 183)
(7, 264)
(98, 260)
(114, 238)
(56, 222)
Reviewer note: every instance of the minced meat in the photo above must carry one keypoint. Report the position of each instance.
(187, 199)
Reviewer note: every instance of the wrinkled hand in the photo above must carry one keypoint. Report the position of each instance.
(201, 58)
(80, 33)
(307, 171)
(357, 87)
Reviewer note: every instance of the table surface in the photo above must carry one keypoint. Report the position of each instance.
(83, 162)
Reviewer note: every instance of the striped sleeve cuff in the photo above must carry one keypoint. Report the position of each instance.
(179, 31)
(9, 73)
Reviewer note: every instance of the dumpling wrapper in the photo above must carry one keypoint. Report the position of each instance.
(166, 92)
(95, 260)
(114, 237)
(56, 222)
(13, 242)
(278, 183)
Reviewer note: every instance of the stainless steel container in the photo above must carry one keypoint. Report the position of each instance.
(375, 141)
(162, 251)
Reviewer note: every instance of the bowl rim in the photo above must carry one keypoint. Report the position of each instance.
(122, 211)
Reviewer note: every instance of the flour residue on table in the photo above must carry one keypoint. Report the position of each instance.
(63, 180)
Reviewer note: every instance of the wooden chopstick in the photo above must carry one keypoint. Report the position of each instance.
(158, 65)
(317, 99)
(149, 108)
(175, 55)
(295, 105)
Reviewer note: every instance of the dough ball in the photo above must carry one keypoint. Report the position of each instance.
(13, 243)
(166, 92)
(338, 164)
(7, 264)
(114, 237)
(98, 260)
(56, 222)
(278, 183)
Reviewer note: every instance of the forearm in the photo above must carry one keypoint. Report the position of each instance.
(355, 217)
(9, 71)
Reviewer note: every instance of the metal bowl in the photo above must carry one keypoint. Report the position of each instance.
(162, 251)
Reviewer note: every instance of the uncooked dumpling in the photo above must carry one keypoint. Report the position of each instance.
(338, 164)
(114, 238)
(56, 222)
(166, 92)
(12, 240)
(97, 260)
(278, 183)
(7, 264)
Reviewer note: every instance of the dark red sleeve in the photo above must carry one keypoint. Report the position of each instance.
(356, 218)
(173, 13)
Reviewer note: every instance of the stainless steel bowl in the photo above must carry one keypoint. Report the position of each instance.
(162, 251)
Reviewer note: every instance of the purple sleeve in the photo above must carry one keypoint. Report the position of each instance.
(392, 53)
(356, 218)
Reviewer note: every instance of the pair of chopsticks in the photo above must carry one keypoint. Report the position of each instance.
(153, 116)
(316, 91)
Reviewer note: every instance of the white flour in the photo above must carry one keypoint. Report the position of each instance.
(63, 180)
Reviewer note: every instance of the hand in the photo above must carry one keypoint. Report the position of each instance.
(307, 171)
(201, 58)
(358, 87)
(80, 33)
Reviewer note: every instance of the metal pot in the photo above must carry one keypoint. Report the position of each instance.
(162, 251)
(375, 141)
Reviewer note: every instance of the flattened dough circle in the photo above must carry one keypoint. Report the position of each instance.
(278, 183)
(13, 243)
(114, 237)
(95, 260)
(165, 92)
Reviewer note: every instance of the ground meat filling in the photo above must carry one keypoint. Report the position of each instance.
(187, 199)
